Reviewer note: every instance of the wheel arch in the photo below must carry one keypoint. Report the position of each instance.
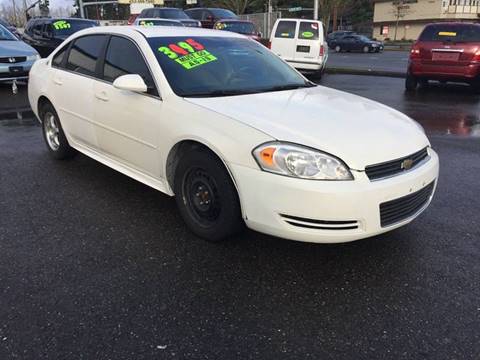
(42, 101)
(182, 146)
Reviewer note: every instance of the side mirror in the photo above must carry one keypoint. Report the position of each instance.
(131, 82)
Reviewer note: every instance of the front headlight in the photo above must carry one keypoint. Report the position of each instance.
(33, 57)
(299, 161)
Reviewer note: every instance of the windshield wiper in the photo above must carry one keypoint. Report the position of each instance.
(218, 93)
(290, 86)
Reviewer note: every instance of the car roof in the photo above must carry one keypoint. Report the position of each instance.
(159, 31)
(159, 19)
(235, 20)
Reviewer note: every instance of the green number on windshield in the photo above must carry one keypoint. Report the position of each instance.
(171, 54)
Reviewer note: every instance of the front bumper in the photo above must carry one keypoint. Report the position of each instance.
(265, 197)
(16, 71)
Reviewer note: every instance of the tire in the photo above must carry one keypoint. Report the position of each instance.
(206, 196)
(338, 48)
(366, 49)
(411, 82)
(53, 134)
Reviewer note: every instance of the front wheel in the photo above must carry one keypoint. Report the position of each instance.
(411, 82)
(338, 49)
(206, 196)
(366, 49)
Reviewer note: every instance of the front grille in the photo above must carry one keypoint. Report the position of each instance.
(320, 224)
(394, 167)
(402, 208)
(17, 59)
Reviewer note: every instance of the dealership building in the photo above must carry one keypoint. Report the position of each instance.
(413, 15)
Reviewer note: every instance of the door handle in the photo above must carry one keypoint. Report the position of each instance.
(57, 81)
(102, 96)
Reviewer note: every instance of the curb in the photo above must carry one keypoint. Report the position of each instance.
(364, 72)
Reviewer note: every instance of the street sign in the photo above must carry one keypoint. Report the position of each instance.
(293, 9)
(191, 2)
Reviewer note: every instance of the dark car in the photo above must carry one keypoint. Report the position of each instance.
(243, 27)
(209, 16)
(358, 43)
(445, 52)
(335, 35)
(169, 13)
(45, 34)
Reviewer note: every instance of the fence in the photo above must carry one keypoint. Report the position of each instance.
(263, 21)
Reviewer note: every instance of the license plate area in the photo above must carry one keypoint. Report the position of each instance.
(303, 48)
(445, 56)
(15, 69)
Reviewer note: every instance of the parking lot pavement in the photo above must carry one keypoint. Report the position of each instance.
(395, 61)
(14, 106)
(95, 265)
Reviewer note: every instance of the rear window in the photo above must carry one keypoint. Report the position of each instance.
(223, 14)
(308, 31)
(453, 33)
(286, 29)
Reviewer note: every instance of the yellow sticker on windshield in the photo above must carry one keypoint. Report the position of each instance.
(194, 53)
(61, 25)
(447, 33)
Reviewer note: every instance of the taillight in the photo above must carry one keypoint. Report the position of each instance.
(269, 44)
(415, 52)
(476, 57)
(322, 50)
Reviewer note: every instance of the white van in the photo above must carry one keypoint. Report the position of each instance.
(301, 43)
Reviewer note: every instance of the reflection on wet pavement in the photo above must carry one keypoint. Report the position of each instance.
(442, 109)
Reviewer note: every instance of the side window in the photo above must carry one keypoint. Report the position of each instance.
(206, 15)
(122, 58)
(84, 54)
(308, 31)
(193, 14)
(285, 29)
(48, 30)
(37, 29)
(57, 60)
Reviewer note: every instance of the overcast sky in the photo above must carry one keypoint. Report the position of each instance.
(53, 3)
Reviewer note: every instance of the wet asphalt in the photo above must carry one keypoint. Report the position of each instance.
(95, 265)
(395, 61)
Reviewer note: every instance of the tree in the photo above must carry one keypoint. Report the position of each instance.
(237, 6)
(400, 9)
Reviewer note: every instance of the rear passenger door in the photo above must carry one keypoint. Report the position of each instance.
(283, 42)
(127, 123)
(308, 43)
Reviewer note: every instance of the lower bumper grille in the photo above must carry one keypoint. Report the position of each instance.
(394, 211)
(320, 224)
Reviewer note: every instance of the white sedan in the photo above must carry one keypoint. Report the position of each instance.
(236, 134)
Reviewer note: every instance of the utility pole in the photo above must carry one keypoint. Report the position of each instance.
(315, 9)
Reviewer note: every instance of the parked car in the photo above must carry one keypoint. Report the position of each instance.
(45, 34)
(234, 132)
(16, 57)
(357, 43)
(445, 52)
(169, 13)
(157, 22)
(335, 35)
(9, 27)
(243, 27)
(209, 16)
(300, 43)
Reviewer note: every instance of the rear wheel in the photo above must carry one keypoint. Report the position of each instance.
(53, 134)
(411, 82)
(206, 196)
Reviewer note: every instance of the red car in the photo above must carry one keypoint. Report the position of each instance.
(445, 52)
(132, 19)
(243, 27)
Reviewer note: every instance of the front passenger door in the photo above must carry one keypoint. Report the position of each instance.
(127, 123)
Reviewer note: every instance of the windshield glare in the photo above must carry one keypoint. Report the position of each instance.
(173, 14)
(218, 66)
(68, 27)
(6, 35)
(238, 27)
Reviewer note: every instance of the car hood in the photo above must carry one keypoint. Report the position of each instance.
(15, 48)
(359, 131)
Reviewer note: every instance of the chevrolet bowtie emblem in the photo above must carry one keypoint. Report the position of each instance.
(407, 164)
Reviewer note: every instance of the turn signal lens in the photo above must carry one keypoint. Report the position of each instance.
(299, 161)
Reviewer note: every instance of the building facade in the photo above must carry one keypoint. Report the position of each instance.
(413, 15)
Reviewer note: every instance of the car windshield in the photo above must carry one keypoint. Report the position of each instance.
(6, 35)
(219, 66)
(450, 32)
(67, 27)
(157, 22)
(223, 14)
(172, 14)
(236, 26)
